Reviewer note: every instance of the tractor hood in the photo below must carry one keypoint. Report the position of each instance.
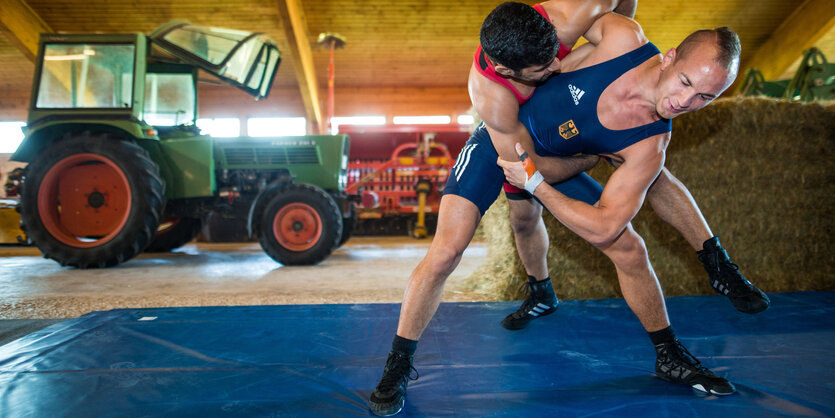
(246, 60)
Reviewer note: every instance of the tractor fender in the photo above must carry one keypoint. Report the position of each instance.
(42, 136)
(261, 200)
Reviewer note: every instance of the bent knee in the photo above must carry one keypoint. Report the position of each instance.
(628, 249)
(525, 218)
(443, 258)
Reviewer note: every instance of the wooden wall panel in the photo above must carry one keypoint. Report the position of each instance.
(416, 48)
(14, 104)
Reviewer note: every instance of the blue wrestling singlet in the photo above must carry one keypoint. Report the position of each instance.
(562, 119)
(562, 115)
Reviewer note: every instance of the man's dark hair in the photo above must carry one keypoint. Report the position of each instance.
(517, 36)
(724, 38)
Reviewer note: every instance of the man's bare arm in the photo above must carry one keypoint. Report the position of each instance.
(573, 18)
(621, 33)
(627, 8)
(621, 199)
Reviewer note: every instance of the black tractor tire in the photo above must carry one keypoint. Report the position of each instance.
(91, 201)
(173, 233)
(348, 225)
(301, 224)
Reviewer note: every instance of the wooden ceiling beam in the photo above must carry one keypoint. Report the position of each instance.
(801, 30)
(22, 26)
(295, 30)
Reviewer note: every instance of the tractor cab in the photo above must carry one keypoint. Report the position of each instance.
(84, 76)
(130, 83)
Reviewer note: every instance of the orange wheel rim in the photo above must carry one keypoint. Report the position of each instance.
(297, 227)
(84, 200)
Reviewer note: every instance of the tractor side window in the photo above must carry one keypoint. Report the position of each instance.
(86, 76)
(169, 99)
(265, 66)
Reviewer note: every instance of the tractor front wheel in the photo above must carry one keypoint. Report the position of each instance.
(301, 224)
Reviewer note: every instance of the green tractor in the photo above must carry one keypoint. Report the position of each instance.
(117, 165)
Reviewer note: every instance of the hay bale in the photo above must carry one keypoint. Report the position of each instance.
(760, 169)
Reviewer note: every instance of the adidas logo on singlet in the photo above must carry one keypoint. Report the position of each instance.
(576, 93)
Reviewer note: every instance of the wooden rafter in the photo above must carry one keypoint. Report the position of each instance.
(292, 20)
(22, 26)
(801, 30)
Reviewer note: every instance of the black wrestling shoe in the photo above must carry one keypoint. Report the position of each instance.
(675, 364)
(726, 279)
(390, 395)
(541, 301)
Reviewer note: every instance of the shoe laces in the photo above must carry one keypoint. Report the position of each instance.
(677, 353)
(729, 273)
(398, 367)
(529, 302)
(733, 278)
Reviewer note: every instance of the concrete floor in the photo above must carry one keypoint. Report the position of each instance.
(364, 270)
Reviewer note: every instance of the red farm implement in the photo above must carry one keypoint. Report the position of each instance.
(401, 191)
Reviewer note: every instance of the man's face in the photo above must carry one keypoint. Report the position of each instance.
(691, 82)
(538, 73)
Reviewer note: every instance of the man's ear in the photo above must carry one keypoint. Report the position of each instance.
(668, 59)
(504, 71)
(555, 65)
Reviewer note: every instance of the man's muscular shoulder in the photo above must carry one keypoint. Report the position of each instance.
(614, 35)
(619, 33)
(495, 104)
(572, 18)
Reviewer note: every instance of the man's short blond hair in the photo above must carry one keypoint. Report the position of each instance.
(724, 39)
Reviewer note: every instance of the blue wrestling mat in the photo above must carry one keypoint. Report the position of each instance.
(589, 358)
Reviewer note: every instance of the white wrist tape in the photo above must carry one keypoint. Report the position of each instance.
(533, 181)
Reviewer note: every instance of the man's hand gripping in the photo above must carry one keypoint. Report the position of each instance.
(522, 174)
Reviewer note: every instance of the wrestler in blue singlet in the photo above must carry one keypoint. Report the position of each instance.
(562, 119)
(562, 116)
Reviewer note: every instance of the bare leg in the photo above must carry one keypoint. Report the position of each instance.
(674, 204)
(532, 246)
(638, 282)
(530, 235)
(457, 221)
(642, 293)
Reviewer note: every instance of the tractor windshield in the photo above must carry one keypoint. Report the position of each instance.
(86, 76)
(169, 99)
(246, 60)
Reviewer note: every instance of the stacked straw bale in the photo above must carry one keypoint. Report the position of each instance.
(761, 171)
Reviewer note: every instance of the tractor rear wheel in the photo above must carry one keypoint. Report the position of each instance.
(91, 200)
(301, 224)
(174, 232)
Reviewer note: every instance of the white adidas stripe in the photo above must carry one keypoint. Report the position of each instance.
(465, 159)
(459, 159)
(466, 162)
